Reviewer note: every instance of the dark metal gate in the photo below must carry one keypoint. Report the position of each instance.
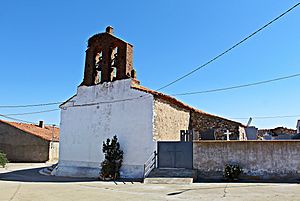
(175, 155)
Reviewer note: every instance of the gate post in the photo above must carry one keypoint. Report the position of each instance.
(155, 154)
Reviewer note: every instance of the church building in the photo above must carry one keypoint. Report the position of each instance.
(110, 101)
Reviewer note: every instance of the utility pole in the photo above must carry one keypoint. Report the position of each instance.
(52, 139)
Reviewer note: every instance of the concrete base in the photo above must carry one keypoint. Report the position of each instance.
(71, 171)
(171, 176)
(217, 176)
(173, 173)
(126, 172)
(166, 180)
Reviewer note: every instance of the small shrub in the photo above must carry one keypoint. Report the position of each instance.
(3, 159)
(110, 167)
(232, 171)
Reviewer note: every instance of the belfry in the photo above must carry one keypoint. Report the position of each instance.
(108, 58)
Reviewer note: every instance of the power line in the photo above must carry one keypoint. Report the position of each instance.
(269, 117)
(237, 86)
(21, 120)
(228, 50)
(56, 103)
(180, 78)
(178, 94)
(28, 113)
(30, 105)
(14, 119)
(141, 96)
(107, 102)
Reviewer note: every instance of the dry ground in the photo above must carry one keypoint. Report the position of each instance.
(22, 182)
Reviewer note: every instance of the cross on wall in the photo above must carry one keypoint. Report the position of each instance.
(227, 133)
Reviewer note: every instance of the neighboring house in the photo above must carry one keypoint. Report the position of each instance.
(28, 142)
(110, 101)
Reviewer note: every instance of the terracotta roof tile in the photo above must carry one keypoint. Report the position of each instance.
(44, 133)
(176, 102)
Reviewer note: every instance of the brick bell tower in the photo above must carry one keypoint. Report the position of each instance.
(107, 59)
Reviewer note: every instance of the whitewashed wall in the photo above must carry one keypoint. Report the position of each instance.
(84, 128)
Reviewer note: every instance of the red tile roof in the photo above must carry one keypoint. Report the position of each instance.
(176, 102)
(44, 133)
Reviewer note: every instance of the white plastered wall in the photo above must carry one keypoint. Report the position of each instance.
(83, 128)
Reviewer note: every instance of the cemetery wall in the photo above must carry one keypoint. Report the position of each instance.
(260, 160)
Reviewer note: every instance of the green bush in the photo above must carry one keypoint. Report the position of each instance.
(110, 167)
(232, 171)
(3, 159)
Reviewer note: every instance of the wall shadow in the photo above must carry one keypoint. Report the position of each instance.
(33, 175)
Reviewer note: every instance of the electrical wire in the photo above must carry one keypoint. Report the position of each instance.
(107, 102)
(14, 119)
(28, 113)
(178, 79)
(30, 105)
(193, 93)
(22, 120)
(228, 50)
(237, 86)
(177, 94)
(269, 117)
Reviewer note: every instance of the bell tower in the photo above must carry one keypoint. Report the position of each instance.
(107, 59)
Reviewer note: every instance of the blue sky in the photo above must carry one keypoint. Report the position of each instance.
(43, 50)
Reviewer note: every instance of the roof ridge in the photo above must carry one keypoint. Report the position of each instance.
(176, 102)
(33, 129)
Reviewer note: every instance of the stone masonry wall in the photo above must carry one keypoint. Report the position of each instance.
(169, 119)
(53, 151)
(201, 122)
(260, 160)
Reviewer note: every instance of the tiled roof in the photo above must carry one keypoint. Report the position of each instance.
(176, 102)
(99, 35)
(44, 133)
(277, 130)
